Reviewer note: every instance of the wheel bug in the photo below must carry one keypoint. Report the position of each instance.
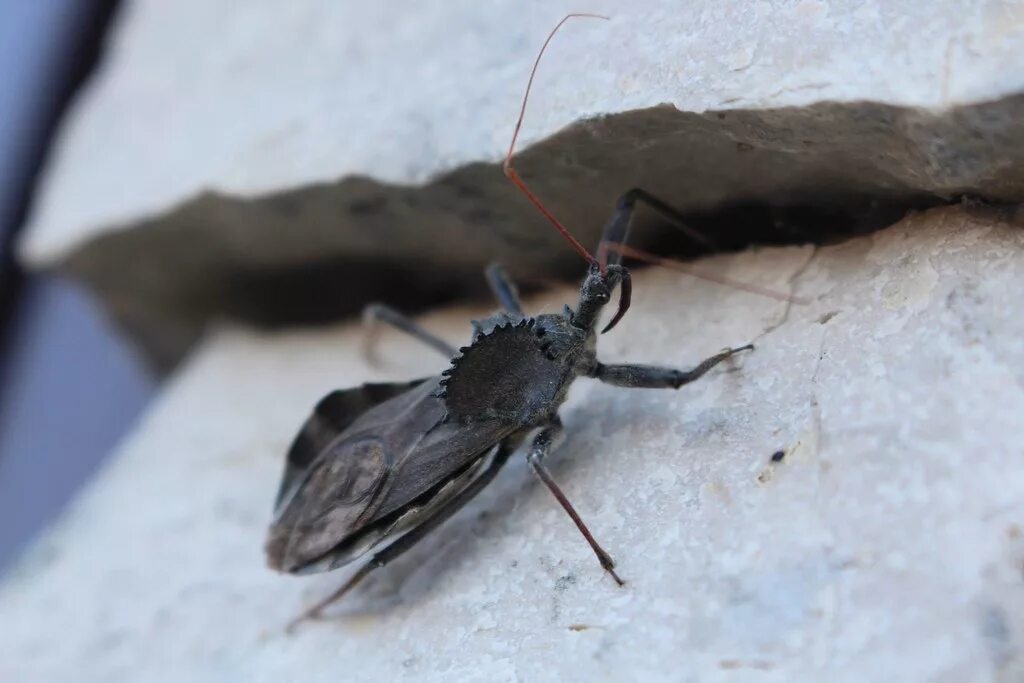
(394, 461)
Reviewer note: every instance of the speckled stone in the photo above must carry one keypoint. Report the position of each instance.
(887, 544)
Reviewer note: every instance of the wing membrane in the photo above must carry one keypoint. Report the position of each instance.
(331, 416)
(383, 460)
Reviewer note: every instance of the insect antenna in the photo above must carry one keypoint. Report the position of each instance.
(640, 255)
(511, 173)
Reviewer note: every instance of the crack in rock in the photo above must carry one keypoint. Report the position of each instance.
(317, 253)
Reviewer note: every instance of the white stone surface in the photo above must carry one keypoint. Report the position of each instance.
(245, 98)
(887, 546)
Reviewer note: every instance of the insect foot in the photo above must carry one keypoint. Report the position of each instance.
(685, 377)
(608, 564)
(653, 377)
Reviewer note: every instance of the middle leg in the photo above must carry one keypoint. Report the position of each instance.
(539, 449)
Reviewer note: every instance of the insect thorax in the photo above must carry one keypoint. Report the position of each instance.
(516, 369)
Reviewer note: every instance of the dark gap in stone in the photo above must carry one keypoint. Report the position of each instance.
(319, 253)
(327, 290)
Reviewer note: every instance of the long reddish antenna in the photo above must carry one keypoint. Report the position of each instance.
(510, 172)
(683, 268)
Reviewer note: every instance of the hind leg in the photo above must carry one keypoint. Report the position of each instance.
(377, 313)
(416, 534)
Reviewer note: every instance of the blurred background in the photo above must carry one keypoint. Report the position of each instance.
(69, 389)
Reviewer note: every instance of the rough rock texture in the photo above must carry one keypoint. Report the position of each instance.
(888, 544)
(282, 167)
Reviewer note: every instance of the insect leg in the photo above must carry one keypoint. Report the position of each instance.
(538, 451)
(413, 536)
(653, 377)
(374, 313)
(503, 288)
(616, 230)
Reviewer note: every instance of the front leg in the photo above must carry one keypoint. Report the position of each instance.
(653, 377)
(617, 229)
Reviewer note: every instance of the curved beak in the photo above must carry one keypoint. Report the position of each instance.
(625, 296)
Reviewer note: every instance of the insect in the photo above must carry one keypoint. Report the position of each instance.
(394, 461)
